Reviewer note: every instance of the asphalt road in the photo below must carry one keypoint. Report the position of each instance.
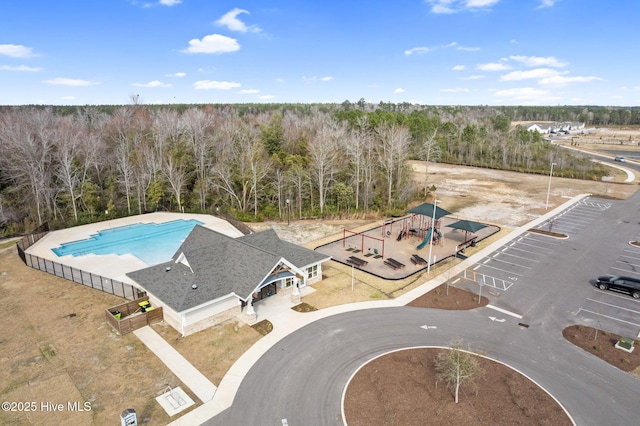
(301, 379)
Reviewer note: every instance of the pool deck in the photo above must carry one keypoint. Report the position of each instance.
(114, 266)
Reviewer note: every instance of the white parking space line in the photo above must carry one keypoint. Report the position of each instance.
(614, 306)
(510, 263)
(626, 271)
(633, 265)
(517, 257)
(607, 316)
(631, 257)
(535, 246)
(504, 311)
(528, 251)
(502, 270)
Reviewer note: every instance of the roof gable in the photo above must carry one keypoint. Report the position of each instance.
(210, 265)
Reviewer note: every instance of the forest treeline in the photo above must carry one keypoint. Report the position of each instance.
(72, 165)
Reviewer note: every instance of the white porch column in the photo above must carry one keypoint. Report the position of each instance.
(295, 294)
(250, 313)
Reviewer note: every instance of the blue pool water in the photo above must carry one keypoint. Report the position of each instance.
(150, 242)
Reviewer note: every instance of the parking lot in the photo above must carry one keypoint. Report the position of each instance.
(522, 272)
(611, 309)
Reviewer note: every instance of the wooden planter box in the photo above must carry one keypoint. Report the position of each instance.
(133, 315)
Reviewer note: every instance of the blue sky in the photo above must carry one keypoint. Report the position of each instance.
(442, 52)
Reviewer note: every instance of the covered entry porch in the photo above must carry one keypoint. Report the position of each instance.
(285, 279)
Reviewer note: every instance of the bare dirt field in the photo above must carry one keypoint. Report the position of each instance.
(51, 355)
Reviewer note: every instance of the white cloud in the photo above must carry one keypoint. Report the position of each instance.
(60, 81)
(537, 73)
(213, 43)
(538, 61)
(68, 98)
(523, 93)
(468, 49)
(493, 66)
(20, 68)
(546, 3)
(416, 50)
(455, 90)
(454, 6)
(177, 74)
(314, 78)
(215, 85)
(170, 2)
(473, 77)
(560, 81)
(231, 21)
(154, 83)
(280, 80)
(266, 97)
(16, 51)
(459, 68)
(248, 91)
(399, 90)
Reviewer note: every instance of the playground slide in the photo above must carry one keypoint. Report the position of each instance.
(426, 240)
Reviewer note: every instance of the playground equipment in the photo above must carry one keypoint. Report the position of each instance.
(436, 238)
(426, 240)
(362, 236)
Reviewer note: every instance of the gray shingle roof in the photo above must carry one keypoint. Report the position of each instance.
(268, 240)
(220, 265)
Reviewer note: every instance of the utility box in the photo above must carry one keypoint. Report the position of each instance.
(128, 417)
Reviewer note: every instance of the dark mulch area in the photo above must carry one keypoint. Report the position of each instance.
(456, 299)
(602, 345)
(263, 327)
(400, 389)
(548, 233)
(304, 307)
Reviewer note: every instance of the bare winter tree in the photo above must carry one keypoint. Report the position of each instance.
(325, 157)
(392, 154)
(74, 156)
(196, 127)
(457, 367)
(26, 144)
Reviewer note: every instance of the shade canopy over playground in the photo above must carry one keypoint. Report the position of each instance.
(467, 225)
(426, 209)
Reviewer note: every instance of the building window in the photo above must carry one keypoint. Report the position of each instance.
(312, 271)
(288, 282)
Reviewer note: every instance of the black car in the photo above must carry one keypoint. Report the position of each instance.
(626, 284)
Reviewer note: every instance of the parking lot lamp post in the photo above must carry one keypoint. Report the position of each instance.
(549, 187)
(433, 229)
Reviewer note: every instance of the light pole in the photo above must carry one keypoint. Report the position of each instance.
(546, 207)
(433, 229)
(288, 211)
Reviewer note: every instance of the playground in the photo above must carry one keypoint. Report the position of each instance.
(400, 247)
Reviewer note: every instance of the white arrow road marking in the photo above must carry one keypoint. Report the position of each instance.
(496, 319)
(428, 327)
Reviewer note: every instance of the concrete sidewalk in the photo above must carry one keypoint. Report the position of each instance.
(289, 321)
(187, 373)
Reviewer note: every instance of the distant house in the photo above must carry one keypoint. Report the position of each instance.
(546, 128)
(542, 128)
(213, 277)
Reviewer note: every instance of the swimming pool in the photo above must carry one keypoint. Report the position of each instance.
(153, 243)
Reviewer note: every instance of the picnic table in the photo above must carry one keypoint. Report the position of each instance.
(392, 263)
(418, 260)
(356, 261)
